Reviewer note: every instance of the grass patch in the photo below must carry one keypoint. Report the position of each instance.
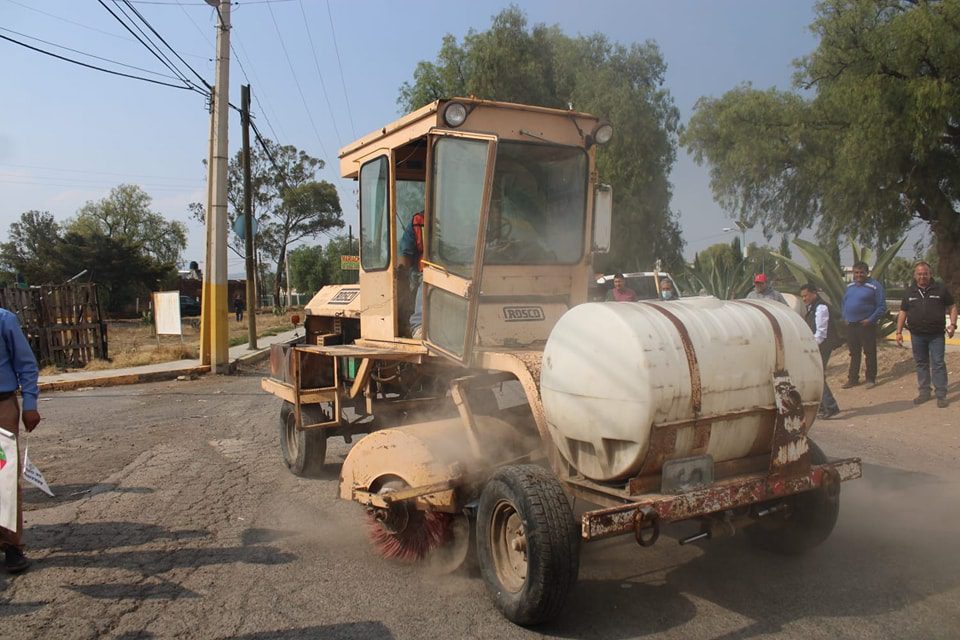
(132, 343)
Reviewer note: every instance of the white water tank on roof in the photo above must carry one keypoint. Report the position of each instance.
(612, 371)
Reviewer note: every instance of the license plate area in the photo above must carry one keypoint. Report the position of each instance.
(683, 475)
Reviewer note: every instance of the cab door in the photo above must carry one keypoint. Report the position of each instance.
(461, 171)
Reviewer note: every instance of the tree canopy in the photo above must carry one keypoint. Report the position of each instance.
(41, 251)
(125, 216)
(623, 84)
(868, 143)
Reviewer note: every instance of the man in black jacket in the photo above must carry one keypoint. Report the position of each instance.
(818, 319)
(923, 309)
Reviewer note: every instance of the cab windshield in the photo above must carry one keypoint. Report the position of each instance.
(537, 205)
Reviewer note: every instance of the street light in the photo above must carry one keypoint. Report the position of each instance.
(742, 228)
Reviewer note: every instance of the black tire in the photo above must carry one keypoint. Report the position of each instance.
(806, 524)
(303, 451)
(525, 505)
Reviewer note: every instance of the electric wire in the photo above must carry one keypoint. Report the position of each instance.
(89, 55)
(92, 66)
(275, 164)
(296, 81)
(316, 62)
(343, 82)
(157, 55)
(256, 98)
(167, 44)
(106, 173)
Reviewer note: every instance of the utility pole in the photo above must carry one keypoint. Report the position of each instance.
(214, 338)
(248, 219)
(286, 268)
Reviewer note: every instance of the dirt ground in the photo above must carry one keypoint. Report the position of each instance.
(175, 518)
(132, 343)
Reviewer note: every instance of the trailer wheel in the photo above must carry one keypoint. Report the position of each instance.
(806, 523)
(528, 543)
(303, 451)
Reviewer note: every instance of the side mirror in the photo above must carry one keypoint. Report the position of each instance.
(602, 217)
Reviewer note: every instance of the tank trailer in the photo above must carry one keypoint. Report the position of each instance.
(517, 395)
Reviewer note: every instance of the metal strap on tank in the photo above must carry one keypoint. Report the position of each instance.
(663, 441)
(696, 387)
(777, 333)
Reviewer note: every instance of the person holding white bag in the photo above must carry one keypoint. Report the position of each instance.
(18, 369)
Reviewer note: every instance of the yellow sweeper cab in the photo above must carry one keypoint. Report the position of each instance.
(493, 393)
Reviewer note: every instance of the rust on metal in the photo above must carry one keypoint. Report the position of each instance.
(777, 332)
(790, 449)
(696, 385)
(726, 494)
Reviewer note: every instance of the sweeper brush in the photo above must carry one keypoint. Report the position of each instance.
(408, 535)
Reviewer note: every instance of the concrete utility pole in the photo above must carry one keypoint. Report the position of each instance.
(214, 337)
(286, 270)
(248, 220)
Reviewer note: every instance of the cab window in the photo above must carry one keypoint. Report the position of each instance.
(375, 215)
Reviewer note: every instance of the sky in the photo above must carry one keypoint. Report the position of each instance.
(323, 73)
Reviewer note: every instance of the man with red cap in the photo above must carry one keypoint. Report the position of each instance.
(763, 291)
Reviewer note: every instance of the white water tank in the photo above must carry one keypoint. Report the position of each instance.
(613, 370)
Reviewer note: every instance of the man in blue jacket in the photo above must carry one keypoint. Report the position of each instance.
(18, 369)
(864, 303)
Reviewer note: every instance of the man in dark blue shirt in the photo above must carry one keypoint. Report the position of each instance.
(923, 310)
(18, 369)
(864, 303)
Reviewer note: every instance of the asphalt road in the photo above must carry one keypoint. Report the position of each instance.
(176, 518)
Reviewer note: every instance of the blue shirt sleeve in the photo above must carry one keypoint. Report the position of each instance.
(22, 360)
(880, 297)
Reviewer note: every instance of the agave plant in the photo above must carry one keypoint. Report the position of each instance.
(719, 279)
(826, 274)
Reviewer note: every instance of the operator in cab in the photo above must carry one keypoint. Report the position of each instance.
(411, 258)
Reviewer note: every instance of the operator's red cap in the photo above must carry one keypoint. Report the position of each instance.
(760, 277)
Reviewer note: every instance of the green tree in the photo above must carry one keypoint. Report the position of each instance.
(307, 268)
(868, 145)
(125, 216)
(624, 84)
(287, 201)
(119, 266)
(32, 249)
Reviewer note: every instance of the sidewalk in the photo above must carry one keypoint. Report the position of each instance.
(239, 354)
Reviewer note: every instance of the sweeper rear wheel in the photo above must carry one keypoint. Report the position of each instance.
(303, 451)
(527, 543)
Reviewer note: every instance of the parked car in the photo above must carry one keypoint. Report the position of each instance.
(189, 306)
(643, 283)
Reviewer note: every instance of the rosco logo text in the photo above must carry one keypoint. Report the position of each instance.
(523, 314)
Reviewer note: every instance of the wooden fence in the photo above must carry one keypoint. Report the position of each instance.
(63, 323)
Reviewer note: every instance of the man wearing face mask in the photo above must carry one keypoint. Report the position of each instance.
(666, 290)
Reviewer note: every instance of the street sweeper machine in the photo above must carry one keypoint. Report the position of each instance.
(495, 396)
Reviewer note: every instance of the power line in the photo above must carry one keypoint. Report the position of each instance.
(85, 26)
(106, 173)
(295, 80)
(89, 55)
(343, 82)
(156, 54)
(276, 166)
(167, 44)
(316, 62)
(256, 97)
(91, 66)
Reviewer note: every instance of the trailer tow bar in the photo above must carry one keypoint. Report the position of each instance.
(646, 518)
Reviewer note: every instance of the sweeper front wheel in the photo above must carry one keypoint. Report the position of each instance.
(303, 451)
(528, 544)
(806, 521)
